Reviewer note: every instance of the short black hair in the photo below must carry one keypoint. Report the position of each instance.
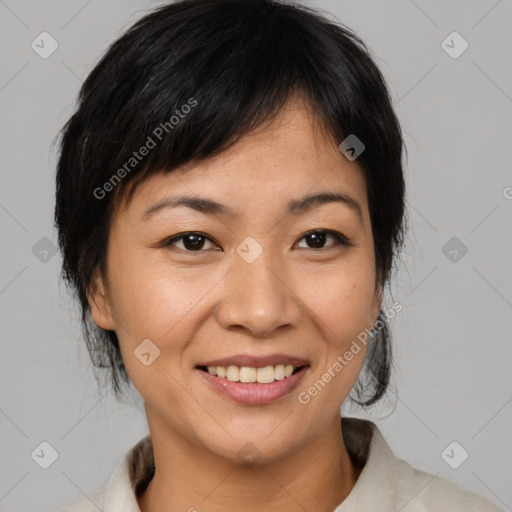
(187, 81)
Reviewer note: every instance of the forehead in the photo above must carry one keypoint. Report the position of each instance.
(280, 161)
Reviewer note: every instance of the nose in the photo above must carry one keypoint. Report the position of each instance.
(258, 298)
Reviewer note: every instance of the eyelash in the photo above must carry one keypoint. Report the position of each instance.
(341, 240)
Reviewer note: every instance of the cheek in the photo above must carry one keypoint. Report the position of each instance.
(341, 299)
(152, 299)
(152, 304)
(340, 304)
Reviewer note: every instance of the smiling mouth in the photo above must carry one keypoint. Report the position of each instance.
(262, 375)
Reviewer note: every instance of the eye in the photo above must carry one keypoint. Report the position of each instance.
(317, 239)
(198, 242)
(190, 242)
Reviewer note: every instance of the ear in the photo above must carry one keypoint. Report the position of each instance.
(99, 302)
(376, 305)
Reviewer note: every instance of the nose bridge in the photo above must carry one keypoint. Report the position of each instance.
(256, 294)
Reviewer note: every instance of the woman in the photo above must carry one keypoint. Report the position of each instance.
(230, 203)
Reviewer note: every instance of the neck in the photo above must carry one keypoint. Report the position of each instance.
(319, 476)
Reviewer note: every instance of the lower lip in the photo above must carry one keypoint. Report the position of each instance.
(253, 393)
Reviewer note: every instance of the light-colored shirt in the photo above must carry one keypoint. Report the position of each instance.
(385, 484)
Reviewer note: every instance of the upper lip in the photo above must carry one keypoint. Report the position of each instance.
(256, 361)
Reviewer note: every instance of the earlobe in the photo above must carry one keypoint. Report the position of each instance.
(99, 303)
(377, 304)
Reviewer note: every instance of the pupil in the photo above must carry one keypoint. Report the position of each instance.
(318, 239)
(193, 241)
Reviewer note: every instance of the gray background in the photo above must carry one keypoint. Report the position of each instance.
(453, 345)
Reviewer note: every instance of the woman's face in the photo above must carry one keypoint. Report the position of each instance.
(256, 285)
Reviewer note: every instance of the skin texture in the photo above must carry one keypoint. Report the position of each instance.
(210, 303)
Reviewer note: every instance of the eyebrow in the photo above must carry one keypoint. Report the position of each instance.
(211, 207)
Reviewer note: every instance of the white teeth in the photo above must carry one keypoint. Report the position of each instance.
(233, 373)
(263, 375)
(279, 372)
(248, 374)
